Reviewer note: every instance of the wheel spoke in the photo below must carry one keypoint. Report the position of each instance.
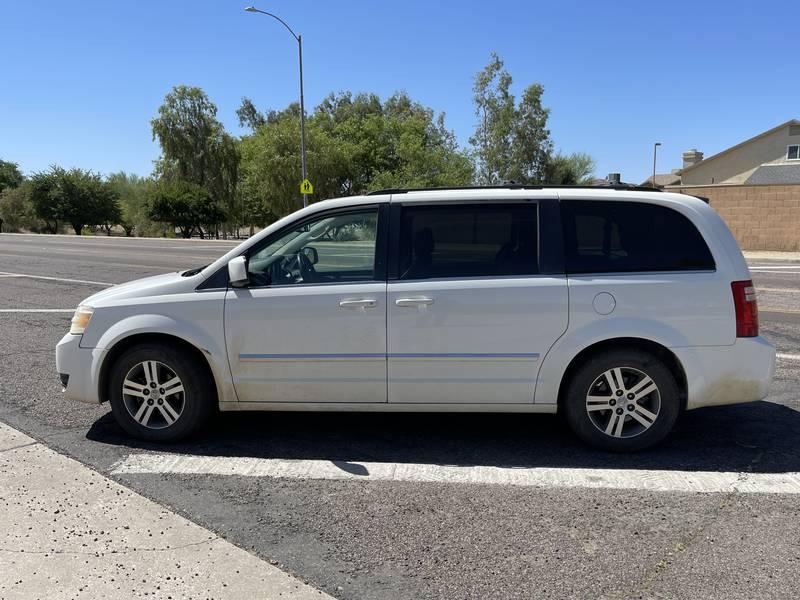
(173, 386)
(167, 407)
(614, 379)
(147, 414)
(166, 414)
(646, 413)
(620, 381)
(615, 423)
(594, 403)
(131, 388)
(645, 423)
(643, 387)
(150, 372)
(143, 414)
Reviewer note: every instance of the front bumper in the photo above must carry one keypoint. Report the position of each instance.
(76, 367)
(717, 375)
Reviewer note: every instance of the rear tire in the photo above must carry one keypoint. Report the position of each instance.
(622, 401)
(160, 394)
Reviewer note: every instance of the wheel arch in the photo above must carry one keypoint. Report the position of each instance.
(113, 353)
(660, 351)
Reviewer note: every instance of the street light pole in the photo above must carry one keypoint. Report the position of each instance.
(655, 150)
(302, 119)
(299, 41)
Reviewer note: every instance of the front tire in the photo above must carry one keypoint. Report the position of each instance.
(622, 401)
(159, 394)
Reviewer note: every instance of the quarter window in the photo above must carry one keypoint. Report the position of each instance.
(468, 241)
(793, 152)
(615, 237)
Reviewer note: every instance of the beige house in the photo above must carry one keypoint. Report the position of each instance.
(754, 185)
(771, 157)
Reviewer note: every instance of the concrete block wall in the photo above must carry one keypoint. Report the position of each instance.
(762, 217)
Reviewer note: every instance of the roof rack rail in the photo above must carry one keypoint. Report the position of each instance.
(516, 186)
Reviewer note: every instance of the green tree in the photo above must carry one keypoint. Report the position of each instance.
(133, 192)
(271, 166)
(574, 169)
(195, 147)
(511, 141)
(355, 144)
(43, 197)
(249, 115)
(10, 175)
(187, 206)
(16, 210)
(80, 198)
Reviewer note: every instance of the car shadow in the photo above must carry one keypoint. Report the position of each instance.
(758, 437)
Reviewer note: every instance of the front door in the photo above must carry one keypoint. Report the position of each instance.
(470, 315)
(311, 326)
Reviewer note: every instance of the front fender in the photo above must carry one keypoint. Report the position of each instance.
(211, 346)
(574, 341)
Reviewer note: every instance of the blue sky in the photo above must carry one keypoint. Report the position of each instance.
(81, 80)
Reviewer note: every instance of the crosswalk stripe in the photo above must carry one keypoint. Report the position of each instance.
(538, 477)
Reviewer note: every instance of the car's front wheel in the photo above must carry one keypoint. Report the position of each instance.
(622, 400)
(158, 393)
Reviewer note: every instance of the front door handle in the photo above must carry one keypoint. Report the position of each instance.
(420, 301)
(361, 303)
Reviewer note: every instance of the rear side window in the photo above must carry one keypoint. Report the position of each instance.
(468, 241)
(615, 237)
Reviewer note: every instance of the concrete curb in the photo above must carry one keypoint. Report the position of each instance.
(69, 532)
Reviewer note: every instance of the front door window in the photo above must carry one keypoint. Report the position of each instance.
(336, 248)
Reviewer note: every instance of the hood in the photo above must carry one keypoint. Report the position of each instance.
(158, 285)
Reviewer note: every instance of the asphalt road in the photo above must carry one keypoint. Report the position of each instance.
(403, 539)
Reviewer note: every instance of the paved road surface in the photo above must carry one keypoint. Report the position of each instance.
(687, 520)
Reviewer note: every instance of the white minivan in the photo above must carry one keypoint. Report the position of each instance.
(619, 308)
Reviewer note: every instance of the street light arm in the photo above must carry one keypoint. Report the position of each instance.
(253, 9)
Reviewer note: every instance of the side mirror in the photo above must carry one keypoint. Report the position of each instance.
(237, 272)
(311, 254)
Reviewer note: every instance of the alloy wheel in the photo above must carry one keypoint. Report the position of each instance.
(153, 394)
(623, 402)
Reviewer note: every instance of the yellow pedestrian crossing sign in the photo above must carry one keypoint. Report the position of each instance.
(306, 187)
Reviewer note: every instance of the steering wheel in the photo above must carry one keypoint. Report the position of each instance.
(307, 270)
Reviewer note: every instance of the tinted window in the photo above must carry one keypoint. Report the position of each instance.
(468, 241)
(609, 237)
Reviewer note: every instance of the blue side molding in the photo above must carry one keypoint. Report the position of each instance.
(524, 355)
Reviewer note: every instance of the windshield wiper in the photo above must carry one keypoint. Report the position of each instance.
(192, 272)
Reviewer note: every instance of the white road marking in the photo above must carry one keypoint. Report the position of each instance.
(775, 272)
(778, 290)
(25, 275)
(538, 477)
(784, 356)
(37, 310)
(794, 266)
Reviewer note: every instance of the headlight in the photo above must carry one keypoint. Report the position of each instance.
(81, 319)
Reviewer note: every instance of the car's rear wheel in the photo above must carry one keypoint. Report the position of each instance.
(158, 393)
(623, 400)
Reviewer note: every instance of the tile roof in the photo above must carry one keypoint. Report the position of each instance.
(663, 179)
(777, 174)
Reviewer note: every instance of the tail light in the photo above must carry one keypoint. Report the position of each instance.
(744, 300)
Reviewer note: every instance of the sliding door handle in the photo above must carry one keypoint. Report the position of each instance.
(361, 303)
(413, 302)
